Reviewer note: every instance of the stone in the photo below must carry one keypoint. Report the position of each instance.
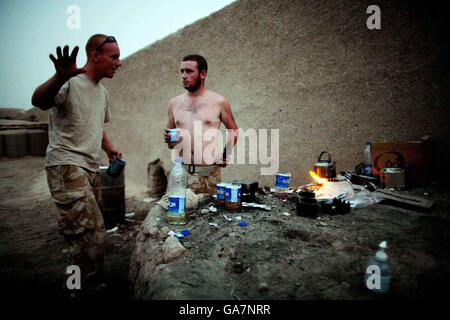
(151, 221)
(153, 232)
(263, 287)
(140, 237)
(337, 245)
(165, 230)
(172, 250)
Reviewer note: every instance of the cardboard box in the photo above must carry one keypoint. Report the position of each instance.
(413, 156)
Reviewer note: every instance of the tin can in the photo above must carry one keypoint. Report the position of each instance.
(174, 135)
(115, 168)
(282, 184)
(220, 200)
(233, 196)
(392, 178)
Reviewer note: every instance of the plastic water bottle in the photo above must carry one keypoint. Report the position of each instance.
(379, 271)
(367, 160)
(177, 194)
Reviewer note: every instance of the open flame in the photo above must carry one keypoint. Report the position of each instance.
(318, 179)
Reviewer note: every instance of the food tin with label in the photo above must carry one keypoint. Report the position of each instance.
(233, 196)
(220, 200)
(282, 184)
(174, 135)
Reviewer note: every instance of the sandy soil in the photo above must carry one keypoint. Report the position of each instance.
(33, 255)
(310, 259)
(284, 257)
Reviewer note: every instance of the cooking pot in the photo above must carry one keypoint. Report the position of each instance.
(324, 168)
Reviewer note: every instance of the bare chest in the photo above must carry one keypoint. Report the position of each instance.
(187, 112)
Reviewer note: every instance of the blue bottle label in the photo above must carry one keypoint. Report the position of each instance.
(221, 192)
(233, 194)
(282, 181)
(177, 204)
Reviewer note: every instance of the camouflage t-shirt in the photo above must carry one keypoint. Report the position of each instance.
(76, 123)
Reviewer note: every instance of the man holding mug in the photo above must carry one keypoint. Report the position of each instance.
(78, 108)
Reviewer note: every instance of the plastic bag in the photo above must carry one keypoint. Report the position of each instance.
(331, 190)
(363, 199)
(345, 190)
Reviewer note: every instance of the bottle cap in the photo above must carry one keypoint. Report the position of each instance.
(381, 256)
(368, 143)
(179, 160)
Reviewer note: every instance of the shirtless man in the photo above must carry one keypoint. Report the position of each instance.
(198, 113)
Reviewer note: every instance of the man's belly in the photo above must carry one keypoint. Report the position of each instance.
(201, 148)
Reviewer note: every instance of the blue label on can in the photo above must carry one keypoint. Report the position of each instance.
(174, 135)
(282, 181)
(177, 204)
(221, 192)
(233, 194)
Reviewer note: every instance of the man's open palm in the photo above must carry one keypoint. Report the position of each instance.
(65, 65)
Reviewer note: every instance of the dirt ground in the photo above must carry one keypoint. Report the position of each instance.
(33, 255)
(276, 256)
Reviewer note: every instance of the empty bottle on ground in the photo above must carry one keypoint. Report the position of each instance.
(379, 271)
(177, 194)
(367, 160)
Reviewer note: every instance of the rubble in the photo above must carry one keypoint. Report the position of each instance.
(172, 249)
(278, 246)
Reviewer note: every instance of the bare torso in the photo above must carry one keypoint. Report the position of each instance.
(200, 116)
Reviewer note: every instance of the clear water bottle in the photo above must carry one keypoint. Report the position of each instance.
(177, 194)
(379, 272)
(367, 160)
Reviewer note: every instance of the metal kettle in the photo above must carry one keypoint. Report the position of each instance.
(324, 168)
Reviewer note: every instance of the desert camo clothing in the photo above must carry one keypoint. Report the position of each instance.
(76, 193)
(204, 184)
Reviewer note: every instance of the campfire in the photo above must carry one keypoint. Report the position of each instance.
(320, 181)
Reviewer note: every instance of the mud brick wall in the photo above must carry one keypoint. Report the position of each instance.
(311, 69)
(22, 142)
(37, 142)
(16, 144)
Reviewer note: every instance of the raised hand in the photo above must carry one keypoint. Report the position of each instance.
(65, 65)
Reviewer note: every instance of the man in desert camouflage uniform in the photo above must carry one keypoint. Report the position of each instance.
(78, 108)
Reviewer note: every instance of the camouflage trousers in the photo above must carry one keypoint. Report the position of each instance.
(204, 184)
(77, 195)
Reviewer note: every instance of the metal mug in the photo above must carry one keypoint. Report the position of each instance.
(115, 167)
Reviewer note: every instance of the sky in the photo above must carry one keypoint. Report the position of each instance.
(32, 29)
